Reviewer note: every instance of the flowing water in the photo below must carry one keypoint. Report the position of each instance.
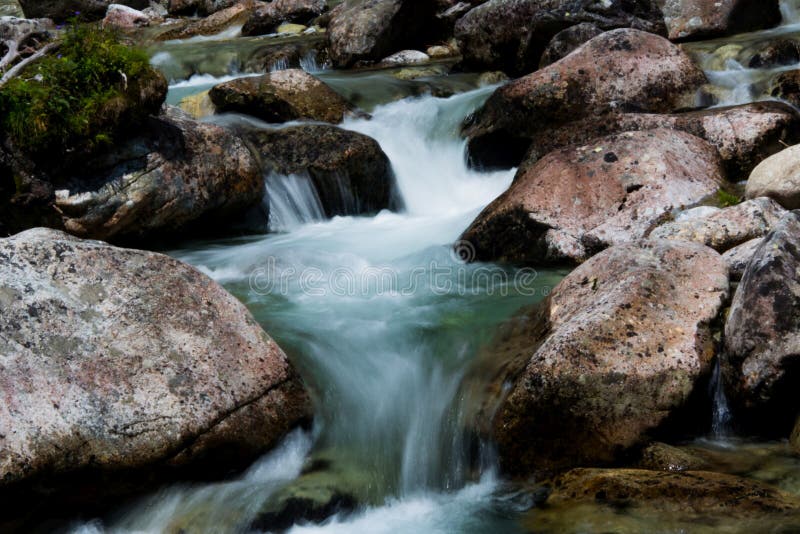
(380, 313)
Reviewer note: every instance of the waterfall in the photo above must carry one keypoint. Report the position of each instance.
(293, 201)
(721, 415)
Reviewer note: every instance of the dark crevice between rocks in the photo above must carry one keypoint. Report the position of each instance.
(496, 150)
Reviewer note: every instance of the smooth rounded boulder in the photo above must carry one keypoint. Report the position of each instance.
(611, 357)
(725, 228)
(763, 332)
(620, 70)
(778, 177)
(703, 19)
(179, 175)
(364, 32)
(121, 368)
(281, 96)
(511, 35)
(349, 171)
(579, 200)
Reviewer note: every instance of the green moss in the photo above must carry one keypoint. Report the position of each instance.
(63, 101)
(726, 199)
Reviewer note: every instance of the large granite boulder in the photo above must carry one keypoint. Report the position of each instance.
(578, 200)
(760, 363)
(511, 35)
(620, 70)
(613, 356)
(181, 174)
(123, 368)
(744, 135)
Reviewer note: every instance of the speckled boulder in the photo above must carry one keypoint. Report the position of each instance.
(620, 70)
(778, 177)
(615, 351)
(119, 362)
(578, 200)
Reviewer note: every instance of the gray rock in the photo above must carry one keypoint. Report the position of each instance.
(726, 228)
(778, 177)
(179, 174)
(268, 17)
(762, 333)
(613, 190)
(61, 10)
(738, 258)
(119, 363)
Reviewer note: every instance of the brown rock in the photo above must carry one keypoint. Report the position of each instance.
(121, 363)
(775, 54)
(566, 41)
(348, 170)
(612, 191)
(213, 24)
(699, 19)
(727, 227)
(616, 350)
(663, 457)
(658, 77)
(179, 174)
(511, 35)
(61, 10)
(268, 17)
(370, 31)
(763, 331)
(281, 96)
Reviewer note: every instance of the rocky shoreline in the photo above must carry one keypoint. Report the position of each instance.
(125, 369)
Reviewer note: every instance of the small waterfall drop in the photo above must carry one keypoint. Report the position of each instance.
(293, 201)
(721, 416)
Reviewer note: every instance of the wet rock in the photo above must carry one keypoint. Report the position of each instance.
(763, 331)
(777, 53)
(62, 10)
(727, 228)
(739, 257)
(510, 35)
(611, 191)
(179, 174)
(613, 355)
(198, 106)
(786, 86)
(442, 51)
(632, 500)
(406, 57)
(349, 171)
(566, 41)
(328, 486)
(663, 457)
(281, 96)
(659, 77)
(778, 177)
(213, 24)
(744, 135)
(699, 19)
(268, 17)
(370, 31)
(290, 55)
(119, 365)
